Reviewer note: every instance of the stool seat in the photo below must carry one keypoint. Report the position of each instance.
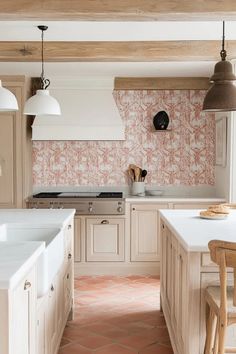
(213, 296)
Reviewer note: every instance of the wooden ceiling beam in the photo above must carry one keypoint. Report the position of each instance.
(115, 51)
(161, 83)
(122, 10)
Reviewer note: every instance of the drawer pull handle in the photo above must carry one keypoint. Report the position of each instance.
(27, 285)
(68, 276)
(104, 222)
(69, 256)
(69, 227)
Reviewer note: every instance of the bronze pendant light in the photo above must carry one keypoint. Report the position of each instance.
(221, 96)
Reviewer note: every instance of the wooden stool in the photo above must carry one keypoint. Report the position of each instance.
(220, 300)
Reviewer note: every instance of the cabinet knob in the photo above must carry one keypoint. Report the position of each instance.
(119, 209)
(133, 208)
(52, 287)
(27, 285)
(104, 222)
(68, 276)
(69, 256)
(163, 226)
(69, 227)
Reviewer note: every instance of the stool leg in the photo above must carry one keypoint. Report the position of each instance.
(222, 332)
(210, 317)
(215, 347)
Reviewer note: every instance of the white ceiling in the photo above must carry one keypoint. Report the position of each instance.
(170, 69)
(114, 31)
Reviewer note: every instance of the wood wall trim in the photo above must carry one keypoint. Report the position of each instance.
(13, 80)
(140, 51)
(122, 10)
(161, 83)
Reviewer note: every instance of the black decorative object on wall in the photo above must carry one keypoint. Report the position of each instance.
(161, 120)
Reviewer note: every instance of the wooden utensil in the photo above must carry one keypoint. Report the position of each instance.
(137, 173)
(131, 174)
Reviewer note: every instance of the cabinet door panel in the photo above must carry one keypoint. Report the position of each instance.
(145, 239)
(41, 331)
(67, 291)
(52, 318)
(23, 316)
(105, 239)
(169, 275)
(77, 239)
(182, 295)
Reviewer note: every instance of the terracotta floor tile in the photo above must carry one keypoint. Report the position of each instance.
(157, 349)
(137, 341)
(94, 341)
(64, 341)
(116, 315)
(115, 349)
(74, 348)
(74, 333)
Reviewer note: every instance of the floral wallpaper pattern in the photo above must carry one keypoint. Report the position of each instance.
(183, 156)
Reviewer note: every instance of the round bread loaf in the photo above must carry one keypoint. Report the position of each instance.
(219, 209)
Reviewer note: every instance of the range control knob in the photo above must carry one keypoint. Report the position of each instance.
(119, 209)
(90, 209)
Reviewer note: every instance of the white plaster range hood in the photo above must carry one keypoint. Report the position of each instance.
(89, 112)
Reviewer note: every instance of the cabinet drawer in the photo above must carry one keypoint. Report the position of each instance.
(191, 205)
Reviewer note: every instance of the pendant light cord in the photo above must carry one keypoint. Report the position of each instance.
(44, 82)
(223, 52)
(42, 48)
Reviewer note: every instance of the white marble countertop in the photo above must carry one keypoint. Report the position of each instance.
(29, 217)
(16, 258)
(171, 199)
(194, 233)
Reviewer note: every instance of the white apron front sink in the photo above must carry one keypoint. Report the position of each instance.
(50, 261)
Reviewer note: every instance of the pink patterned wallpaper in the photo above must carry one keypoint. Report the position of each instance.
(183, 156)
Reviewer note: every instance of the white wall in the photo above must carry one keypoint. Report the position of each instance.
(223, 181)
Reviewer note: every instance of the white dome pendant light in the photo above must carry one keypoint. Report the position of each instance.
(42, 104)
(8, 101)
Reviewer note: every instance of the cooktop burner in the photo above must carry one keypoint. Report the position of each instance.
(79, 195)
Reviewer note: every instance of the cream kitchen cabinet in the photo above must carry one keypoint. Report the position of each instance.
(56, 306)
(15, 149)
(174, 281)
(105, 239)
(184, 278)
(145, 239)
(18, 317)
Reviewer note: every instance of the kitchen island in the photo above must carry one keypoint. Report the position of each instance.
(186, 270)
(36, 279)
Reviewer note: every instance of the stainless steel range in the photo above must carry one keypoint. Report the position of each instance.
(96, 203)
